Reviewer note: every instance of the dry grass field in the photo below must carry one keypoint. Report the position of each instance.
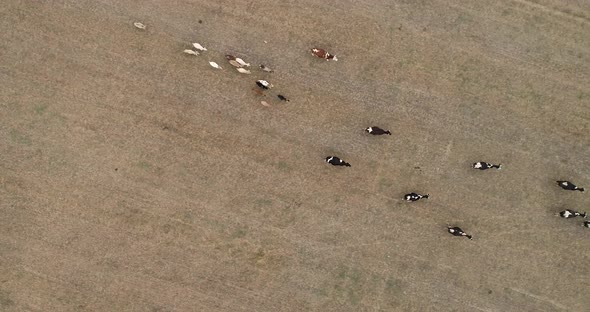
(138, 178)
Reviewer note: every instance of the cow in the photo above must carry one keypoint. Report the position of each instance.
(199, 47)
(215, 65)
(283, 98)
(236, 61)
(481, 165)
(568, 213)
(586, 224)
(377, 131)
(457, 231)
(566, 185)
(191, 52)
(264, 84)
(139, 25)
(321, 53)
(414, 197)
(243, 71)
(335, 161)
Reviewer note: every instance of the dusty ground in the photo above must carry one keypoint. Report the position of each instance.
(137, 178)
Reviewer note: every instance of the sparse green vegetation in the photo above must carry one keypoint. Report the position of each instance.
(20, 138)
(463, 18)
(40, 109)
(144, 165)
(5, 301)
(384, 184)
(261, 202)
(239, 232)
(283, 165)
(348, 285)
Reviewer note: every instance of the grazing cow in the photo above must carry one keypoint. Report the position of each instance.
(377, 131)
(481, 165)
(321, 53)
(232, 60)
(566, 185)
(242, 62)
(458, 232)
(586, 224)
(263, 84)
(215, 65)
(283, 98)
(191, 52)
(236, 61)
(568, 213)
(414, 197)
(335, 161)
(243, 71)
(199, 47)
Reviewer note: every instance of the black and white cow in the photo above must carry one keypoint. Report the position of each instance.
(566, 185)
(414, 196)
(455, 230)
(568, 213)
(264, 84)
(335, 161)
(377, 131)
(586, 224)
(482, 165)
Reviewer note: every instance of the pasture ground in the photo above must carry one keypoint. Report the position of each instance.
(137, 178)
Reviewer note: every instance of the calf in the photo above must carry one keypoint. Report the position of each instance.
(566, 185)
(335, 161)
(481, 165)
(568, 213)
(457, 231)
(586, 224)
(377, 131)
(414, 197)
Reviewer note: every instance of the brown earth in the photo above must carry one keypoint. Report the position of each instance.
(137, 178)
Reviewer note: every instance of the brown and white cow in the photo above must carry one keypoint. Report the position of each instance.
(321, 53)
